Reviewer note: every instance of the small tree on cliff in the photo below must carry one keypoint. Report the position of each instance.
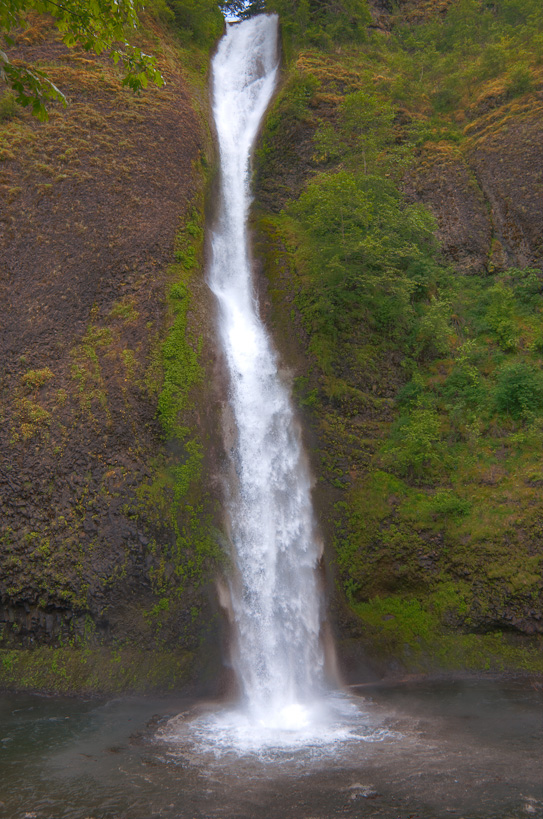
(95, 25)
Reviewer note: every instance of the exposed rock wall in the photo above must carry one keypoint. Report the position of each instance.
(486, 196)
(92, 202)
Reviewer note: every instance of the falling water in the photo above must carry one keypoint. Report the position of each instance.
(274, 590)
(274, 593)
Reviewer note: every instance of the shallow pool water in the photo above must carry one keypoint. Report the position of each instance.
(469, 749)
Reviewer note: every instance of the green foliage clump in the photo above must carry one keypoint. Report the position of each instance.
(433, 330)
(447, 58)
(320, 22)
(464, 387)
(198, 20)
(371, 255)
(8, 107)
(181, 368)
(519, 390)
(520, 80)
(416, 450)
(500, 316)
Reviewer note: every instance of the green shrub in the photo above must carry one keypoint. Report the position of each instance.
(519, 390)
(371, 256)
(446, 99)
(500, 316)
(197, 20)
(433, 331)
(520, 81)
(464, 387)
(493, 60)
(322, 23)
(328, 144)
(366, 121)
(299, 93)
(410, 392)
(417, 451)
(446, 504)
(528, 285)
(161, 10)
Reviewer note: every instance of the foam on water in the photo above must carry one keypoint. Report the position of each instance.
(325, 727)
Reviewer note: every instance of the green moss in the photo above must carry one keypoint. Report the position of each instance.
(124, 310)
(413, 632)
(86, 369)
(180, 364)
(34, 379)
(85, 671)
(176, 495)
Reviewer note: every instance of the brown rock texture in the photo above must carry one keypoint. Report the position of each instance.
(505, 151)
(90, 205)
(443, 180)
(486, 194)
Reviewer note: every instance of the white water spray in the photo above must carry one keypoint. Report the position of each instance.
(275, 595)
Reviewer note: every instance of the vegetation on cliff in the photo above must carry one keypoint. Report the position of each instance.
(96, 26)
(418, 319)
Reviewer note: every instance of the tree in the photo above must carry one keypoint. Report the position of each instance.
(95, 25)
(323, 21)
(242, 8)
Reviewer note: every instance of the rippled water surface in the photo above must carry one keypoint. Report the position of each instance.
(462, 749)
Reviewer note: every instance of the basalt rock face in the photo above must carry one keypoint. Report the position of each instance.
(486, 197)
(506, 154)
(444, 182)
(91, 204)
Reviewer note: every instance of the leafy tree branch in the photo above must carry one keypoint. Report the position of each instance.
(98, 25)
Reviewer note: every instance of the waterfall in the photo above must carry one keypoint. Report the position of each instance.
(274, 587)
(274, 593)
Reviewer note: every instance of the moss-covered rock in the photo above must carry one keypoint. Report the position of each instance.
(424, 412)
(86, 670)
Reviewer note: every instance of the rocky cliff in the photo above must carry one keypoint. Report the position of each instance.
(104, 526)
(397, 222)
